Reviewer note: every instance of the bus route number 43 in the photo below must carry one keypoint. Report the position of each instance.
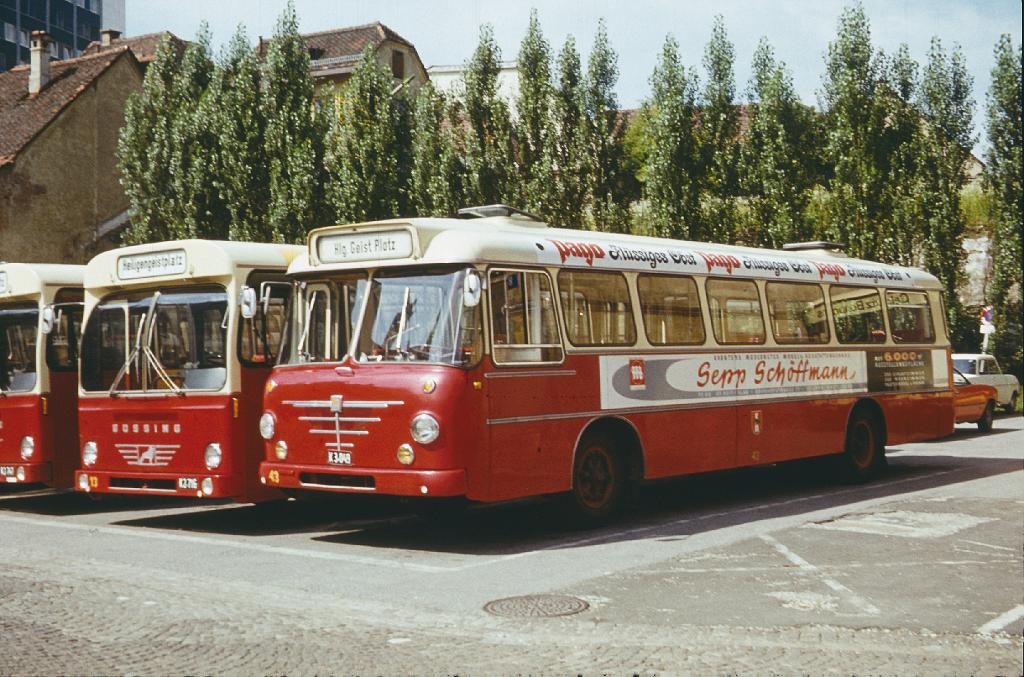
(339, 457)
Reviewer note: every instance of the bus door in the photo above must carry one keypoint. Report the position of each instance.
(62, 324)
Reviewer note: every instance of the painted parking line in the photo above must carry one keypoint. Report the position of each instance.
(855, 599)
(1001, 621)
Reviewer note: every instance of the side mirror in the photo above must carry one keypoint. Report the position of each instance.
(247, 302)
(49, 318)
(471, 289)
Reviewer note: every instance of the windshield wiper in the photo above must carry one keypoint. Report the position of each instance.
(133, 356)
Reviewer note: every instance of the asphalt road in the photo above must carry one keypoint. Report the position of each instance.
(761, 570)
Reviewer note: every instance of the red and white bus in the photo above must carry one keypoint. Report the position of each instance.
(178, 342)
(496, 358)
(40, 319)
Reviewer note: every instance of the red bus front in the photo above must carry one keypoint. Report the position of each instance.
(168, 407)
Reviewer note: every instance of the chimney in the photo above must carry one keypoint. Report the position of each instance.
(39, 72)
(108, 35)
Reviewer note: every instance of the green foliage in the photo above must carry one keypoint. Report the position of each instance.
(488, 140)
(532, 109)
(1003, 177)
(368, 148)
(672, 186)
(234, 107)
(294, 137)
(561, 188)
(718, 137)
(777, 165)
(603, 137)
(438, 171)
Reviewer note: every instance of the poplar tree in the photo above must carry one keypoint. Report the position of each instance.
(1004, 165)
(778, 155)
(718, 135)
(293, 143)
(488, 134)
(603, 137)
(672, 187)
(242, 177)
(368, 147)
(945, 100)
(563, 194)
(438, 171)
(532, 105)
(144, 148)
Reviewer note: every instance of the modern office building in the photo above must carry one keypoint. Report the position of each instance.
(72, 25)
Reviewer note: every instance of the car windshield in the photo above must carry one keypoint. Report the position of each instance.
(19, 327)
(169, 340)
(964, 365)
(419, 316)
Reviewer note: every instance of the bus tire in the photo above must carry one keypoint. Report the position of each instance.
(864, 451)
(598, 479)
(985, 422)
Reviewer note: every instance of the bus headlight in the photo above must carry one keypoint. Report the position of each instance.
(281, 450)
(268, 426)
(90, 452)
(28, 447)
(213, 455)
(425, 428)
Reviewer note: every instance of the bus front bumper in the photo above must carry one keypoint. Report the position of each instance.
(190, 485)
(25, 473)
(364, 480)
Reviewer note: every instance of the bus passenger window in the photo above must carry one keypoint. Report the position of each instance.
(797, 312)
(910, 317)
(523, 323)
(597, 308)
(671, 310)
(735, 308)
(858, 314)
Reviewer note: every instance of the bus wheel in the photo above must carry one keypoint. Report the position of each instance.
(864, 454)
(597, 479)
(985, 422)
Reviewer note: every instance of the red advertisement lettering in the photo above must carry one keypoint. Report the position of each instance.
(833, 270)
(726, 261)
(581, 250)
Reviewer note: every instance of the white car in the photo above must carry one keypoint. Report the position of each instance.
(981, 368)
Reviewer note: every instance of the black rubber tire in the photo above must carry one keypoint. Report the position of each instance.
(598, 480)
(863, 454)
(1011, 406)
(985, 422)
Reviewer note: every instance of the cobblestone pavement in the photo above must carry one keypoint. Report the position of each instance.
(758, 572)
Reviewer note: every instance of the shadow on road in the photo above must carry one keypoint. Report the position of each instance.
(671, 509)
(65, 503)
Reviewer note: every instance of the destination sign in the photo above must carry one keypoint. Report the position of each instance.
(156, 264)
(354, 247)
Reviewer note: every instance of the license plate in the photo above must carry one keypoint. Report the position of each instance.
(339, 457)
(188, 483)
(6, 471)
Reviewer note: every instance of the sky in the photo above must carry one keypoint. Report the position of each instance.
(799, 30)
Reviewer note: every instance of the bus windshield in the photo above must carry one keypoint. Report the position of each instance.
(419, 316)
(19, 325)
(172, 340)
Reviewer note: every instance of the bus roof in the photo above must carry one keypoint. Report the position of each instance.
(183, 259)
(521, 241)
(24, 279)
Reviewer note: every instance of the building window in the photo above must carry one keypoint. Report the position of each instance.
(397, 64)
(10, 32)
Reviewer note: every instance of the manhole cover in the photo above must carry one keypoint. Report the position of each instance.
(536, 606)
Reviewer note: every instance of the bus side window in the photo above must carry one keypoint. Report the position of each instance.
(597, 308)
(858, 314)
(735, 308)
(262, 334)
(797, 312)
(62, 342)
(910, 317)
(670, 308)
(523, 324)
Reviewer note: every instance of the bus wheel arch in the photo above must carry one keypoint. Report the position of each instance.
(607, 457)
(866, 436)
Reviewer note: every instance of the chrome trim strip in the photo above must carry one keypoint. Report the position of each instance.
(339, 432)
(336, 487)
(523, 374)
(326, 404)
(340, 445)
(343, 419)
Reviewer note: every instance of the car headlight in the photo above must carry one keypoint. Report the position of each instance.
(90, 452)
(268, 426)
(28, 447)
(281, 450)
(213, 455)
(425, 428)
